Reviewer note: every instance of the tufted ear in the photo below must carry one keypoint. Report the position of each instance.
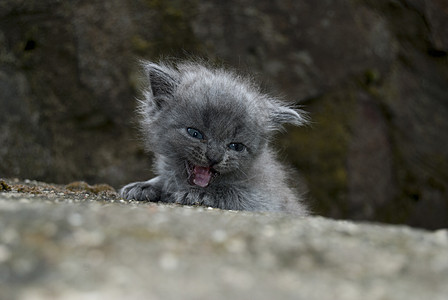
(285, 115)
(163, 81)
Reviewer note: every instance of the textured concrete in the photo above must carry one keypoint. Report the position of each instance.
(83, 242)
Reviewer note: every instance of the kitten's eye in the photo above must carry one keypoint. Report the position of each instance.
(195, 133)
(237, 147)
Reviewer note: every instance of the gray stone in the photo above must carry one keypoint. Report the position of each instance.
(83, 242)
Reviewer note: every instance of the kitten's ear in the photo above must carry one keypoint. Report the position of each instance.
(286, 115)
(163, 81)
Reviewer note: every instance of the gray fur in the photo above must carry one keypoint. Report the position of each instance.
(226, 109)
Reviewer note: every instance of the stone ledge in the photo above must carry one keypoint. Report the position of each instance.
(57, 243)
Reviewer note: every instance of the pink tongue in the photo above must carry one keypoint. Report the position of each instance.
(202, 176)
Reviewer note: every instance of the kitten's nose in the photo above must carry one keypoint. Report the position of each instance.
(214, 157)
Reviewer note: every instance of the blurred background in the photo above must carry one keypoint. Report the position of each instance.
(373, 74)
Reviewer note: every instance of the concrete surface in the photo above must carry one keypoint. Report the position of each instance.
(84, 242)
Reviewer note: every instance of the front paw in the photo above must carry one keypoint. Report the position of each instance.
(141, 191)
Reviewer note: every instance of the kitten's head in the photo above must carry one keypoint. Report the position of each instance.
(207, 126)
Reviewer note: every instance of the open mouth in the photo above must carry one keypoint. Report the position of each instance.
(200, 176)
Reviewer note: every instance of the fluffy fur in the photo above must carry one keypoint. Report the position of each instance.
(209, 130)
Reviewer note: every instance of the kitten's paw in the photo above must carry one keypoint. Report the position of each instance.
(141, 191)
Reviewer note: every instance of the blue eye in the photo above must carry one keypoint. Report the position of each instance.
(237, 147)
(195, 133)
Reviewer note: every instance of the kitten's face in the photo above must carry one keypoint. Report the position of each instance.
(208, 126)
(209, 142)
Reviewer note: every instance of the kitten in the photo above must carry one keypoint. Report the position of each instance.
(209, 130)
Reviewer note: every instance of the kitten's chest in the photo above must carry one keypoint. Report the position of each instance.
(224, 197)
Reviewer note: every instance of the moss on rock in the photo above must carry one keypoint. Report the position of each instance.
(319, 151)
(174, 32)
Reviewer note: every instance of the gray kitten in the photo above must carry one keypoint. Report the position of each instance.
(209, 130)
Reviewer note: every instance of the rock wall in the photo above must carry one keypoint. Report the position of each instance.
(372, 74)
